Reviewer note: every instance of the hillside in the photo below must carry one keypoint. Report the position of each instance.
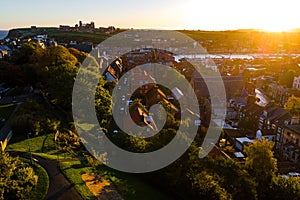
(238, 41)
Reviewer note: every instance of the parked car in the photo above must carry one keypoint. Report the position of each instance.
(129, 102)
(293, 174)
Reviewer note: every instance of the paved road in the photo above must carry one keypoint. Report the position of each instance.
(6, 128)
(60, 187)
(9, 99)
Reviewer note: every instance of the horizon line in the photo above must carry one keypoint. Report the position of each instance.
(173, 29)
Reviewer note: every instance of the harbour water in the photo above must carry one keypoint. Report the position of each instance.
(3, 34)
(233, 56)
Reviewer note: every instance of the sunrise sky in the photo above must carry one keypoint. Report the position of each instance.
(270, 15)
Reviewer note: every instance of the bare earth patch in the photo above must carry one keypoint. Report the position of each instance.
(100, 187)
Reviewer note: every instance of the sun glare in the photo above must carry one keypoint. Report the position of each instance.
(275, 30)
(232, 15)
(277, 26)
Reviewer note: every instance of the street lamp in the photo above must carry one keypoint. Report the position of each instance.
(28, 134)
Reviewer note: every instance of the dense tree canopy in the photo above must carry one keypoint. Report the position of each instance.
(261, 164)
(58, 55)
(60, 84)
(54, 68)
(285, 188)
(34, 117)
(206, 187)
(103, 104)
(11, 73)
(78, 54)
(16, 178)
(260, 159)
(293, 105)
(30, 52)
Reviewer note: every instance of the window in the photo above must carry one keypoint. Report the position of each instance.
(278, 137)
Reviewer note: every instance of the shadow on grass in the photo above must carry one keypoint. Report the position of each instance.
(43, 145)
(78, 166)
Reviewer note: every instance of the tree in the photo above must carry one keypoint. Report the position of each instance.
(232, 177)
(60, 84)
(260, 160)
(16, 178)
(68, 141)
(30, 52)
(285, 188)
(293, 105)
(287, 78)
(78, 54)
(103, 104)
(10, 73)
(110, 86)
(261, 164)
(33, 117)
(58, 55)
(206, 187)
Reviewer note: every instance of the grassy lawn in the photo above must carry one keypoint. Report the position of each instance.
(73, 171)
(77, 36)
(128, 185)
(41, 189)
(43, 146)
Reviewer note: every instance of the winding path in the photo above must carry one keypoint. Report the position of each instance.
(59, 186)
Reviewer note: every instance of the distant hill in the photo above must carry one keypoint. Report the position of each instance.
(232, 41)
(60, 36)
(28, 32)
(247, 41)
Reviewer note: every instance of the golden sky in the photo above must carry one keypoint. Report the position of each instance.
(270, 15)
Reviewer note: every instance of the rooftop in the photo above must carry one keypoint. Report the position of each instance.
(295, 128)
(244, 140)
